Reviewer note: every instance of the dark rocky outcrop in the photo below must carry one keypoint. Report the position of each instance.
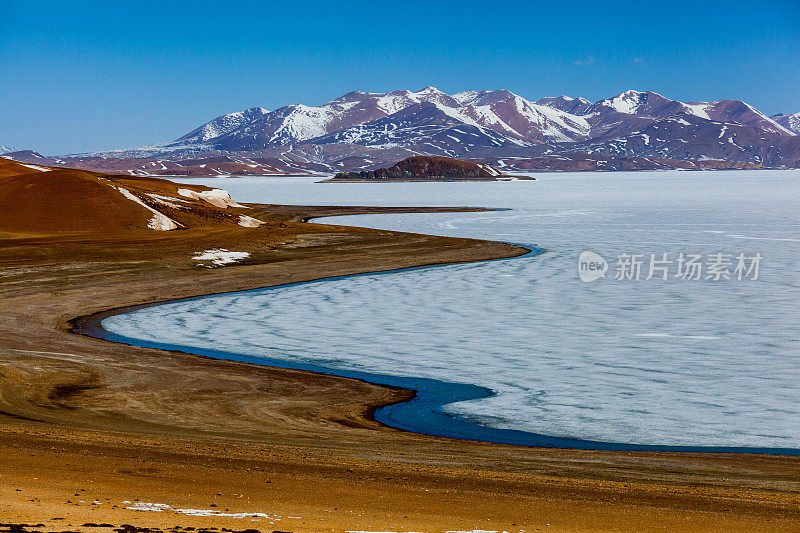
(427, 168)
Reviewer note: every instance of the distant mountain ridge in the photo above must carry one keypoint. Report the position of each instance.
(364, 131)
(790, 122)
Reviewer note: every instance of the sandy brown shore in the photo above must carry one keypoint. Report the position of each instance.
(86, 425)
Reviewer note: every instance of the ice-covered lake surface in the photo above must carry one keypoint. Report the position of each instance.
(677, 362)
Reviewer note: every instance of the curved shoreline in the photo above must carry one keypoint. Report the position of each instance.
(422, 412)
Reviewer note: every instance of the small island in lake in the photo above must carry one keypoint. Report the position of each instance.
(429, 168)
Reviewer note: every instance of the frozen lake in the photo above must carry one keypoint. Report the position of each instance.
(687, 362)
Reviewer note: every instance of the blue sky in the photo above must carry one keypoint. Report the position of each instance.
(80, 76)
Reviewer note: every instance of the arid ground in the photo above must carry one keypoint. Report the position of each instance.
(91, 429)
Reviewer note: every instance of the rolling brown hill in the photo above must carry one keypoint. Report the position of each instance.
(46, 200)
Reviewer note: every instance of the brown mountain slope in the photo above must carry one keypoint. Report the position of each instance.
(14, 168)
(39, 200)
(46, 202)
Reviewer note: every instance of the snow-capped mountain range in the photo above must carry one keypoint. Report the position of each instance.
(362, 130)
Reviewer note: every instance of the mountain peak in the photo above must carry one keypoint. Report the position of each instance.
(482, 98)
(634, 102)
(352, 96)
(575, 106)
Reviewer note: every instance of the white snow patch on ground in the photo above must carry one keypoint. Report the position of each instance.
(161, 507)
(146, 506)
(159, 222)
(220, 256)
(475, 531)
(168, 200)
(35, 167)
(249, 222)
(489, 169)
(212, 512)
(217, 197)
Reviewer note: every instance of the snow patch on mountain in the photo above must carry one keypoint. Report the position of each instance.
(8, 149)
(790, 122)
(222, 125)
(302, 123)
(555, 125)
(698, 109)
(627, 102)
